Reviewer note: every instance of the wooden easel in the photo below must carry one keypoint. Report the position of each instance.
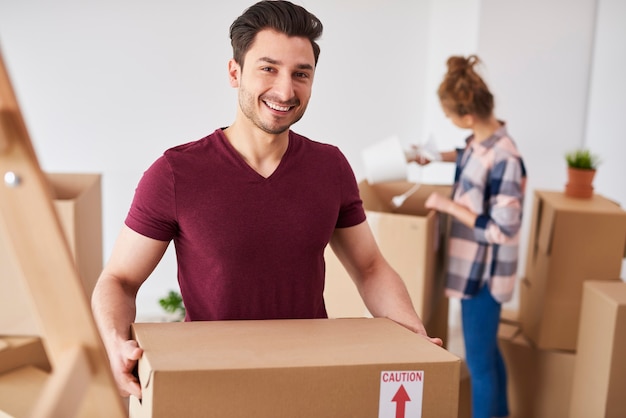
(80, 379)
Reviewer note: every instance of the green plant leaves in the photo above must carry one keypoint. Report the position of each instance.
(583, 159)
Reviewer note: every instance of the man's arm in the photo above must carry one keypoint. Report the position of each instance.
(134, 257)
(380, 286)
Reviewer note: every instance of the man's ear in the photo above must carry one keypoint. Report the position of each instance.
(234, 72)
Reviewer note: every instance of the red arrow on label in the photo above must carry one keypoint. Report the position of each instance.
(401, 398)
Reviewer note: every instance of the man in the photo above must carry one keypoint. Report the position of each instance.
(250, 207)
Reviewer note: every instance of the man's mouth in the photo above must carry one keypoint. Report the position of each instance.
(277, 107)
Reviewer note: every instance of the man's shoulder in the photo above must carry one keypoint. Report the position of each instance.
(195, 145)
(320, 146)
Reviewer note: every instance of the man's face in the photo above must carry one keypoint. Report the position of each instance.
(275, 81)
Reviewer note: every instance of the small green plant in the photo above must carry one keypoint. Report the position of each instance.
(583, 159)
(173, 304)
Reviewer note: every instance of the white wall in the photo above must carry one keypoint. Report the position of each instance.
(107, 86)
(539, 66)
(604, 132)
(607, 100)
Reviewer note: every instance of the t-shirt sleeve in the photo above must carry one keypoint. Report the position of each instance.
(351, 212)
(153, 212)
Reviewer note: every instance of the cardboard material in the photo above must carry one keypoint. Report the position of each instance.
(291, 368)
(571, 241)
(465, 393)
(539, 381)
(599, 382)
(19, 390)
(16, 352)
(78, 201)
(411, 238)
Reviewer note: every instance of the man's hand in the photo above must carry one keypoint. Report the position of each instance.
(123, 364)
(434, 340)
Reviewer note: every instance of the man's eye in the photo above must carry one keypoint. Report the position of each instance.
(302, 75)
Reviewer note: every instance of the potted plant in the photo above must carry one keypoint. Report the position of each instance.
(581, 169)
(173, 305)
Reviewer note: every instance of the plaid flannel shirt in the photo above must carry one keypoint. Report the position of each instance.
(490, 180)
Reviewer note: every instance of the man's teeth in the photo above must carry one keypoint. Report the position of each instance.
(276, 107)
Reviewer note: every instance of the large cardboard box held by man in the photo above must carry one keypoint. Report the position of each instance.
(78, 202)
(340, 368)
(599, 383)
(571, 241)
(411, 238)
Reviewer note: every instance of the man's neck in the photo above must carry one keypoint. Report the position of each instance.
(261, 151)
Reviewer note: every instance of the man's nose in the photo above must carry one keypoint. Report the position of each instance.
(283, 87)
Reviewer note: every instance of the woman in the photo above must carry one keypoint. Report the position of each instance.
(486, 215)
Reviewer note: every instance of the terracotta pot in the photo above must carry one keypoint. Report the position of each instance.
(579, 183)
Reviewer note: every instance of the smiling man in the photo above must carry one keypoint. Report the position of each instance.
(251, 207)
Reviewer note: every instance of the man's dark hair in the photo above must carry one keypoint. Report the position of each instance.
(280, 15)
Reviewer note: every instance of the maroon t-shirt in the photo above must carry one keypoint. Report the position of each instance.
(248, 247)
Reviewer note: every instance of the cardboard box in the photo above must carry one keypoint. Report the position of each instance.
(599, 382)
(438, 323)
(292, 368)
(411, 238)
(78, 201)
(16, 352)
(19, 390)
(539, 381)
(465, 393)
(571, 241)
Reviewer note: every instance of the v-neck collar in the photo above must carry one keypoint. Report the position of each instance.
(238, 158)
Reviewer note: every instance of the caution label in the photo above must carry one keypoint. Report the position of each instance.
(401, 394)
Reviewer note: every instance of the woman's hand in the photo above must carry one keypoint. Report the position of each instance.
(413, 154)
(439, 203)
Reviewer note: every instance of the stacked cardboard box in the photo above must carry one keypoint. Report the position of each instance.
(588, 382)
(412, 239)
(24, 366)
(24, 369)
(599, 381)
(539, 381)
(78, 202)
(572, 242)
(465, 393)
(16, 352)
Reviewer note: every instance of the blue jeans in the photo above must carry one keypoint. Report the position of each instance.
(481, 316)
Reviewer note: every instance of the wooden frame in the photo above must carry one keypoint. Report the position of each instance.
(80, 377)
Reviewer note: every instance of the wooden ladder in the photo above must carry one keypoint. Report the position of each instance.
(81, 379)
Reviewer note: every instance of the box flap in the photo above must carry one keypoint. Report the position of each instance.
(69, 186)
(533, 239)
(377, 197)
(556, 207)
(18, 351)
(596, 204)
(545, 227)
(507, 331)
(613, 291)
